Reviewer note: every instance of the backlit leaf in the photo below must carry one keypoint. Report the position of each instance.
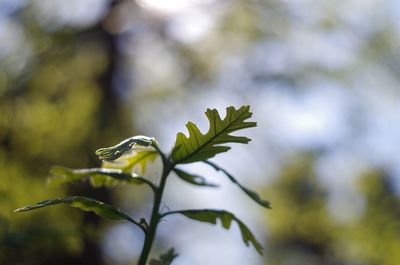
(199, 147)
(134, 160)
(98, 176)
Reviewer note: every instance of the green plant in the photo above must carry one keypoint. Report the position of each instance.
(119, 160)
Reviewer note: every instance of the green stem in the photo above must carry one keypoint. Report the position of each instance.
(155, 216)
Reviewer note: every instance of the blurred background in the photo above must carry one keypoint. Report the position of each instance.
(322, 78)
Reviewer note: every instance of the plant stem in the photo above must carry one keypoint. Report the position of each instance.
(155, 216)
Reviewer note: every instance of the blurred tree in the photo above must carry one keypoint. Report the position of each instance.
(302, 230)
(58, 110)
(375, 237)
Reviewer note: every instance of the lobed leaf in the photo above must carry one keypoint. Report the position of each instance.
(98, 176)
(165, 259)
(199, 147)
(85, 204)
(193, 179)
(211, 216)
(253, 195)
(113, 152)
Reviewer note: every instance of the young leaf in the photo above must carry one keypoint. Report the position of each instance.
(85, 204)
(98, 176)
(139, 157)
(250, 193)
(193, 179)
(199, 147)
(211, 216)
(113, 152)
(165, 259)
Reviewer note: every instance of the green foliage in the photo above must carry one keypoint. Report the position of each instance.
(199, 147)
(165, 259)
(52, 111)
(121, 160)
(211, 216)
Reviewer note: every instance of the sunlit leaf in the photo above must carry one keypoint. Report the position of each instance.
(193, 178)
(113, 152)
(253, 195)
(199, 147)
(85, 204)
(135, 159)
(165, 259)
(98, 176)
(211, 216)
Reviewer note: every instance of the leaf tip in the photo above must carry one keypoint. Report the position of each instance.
(22, 209)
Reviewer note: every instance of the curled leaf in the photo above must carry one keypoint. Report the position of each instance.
(113, 152)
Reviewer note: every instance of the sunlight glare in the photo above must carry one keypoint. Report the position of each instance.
(167, 7)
